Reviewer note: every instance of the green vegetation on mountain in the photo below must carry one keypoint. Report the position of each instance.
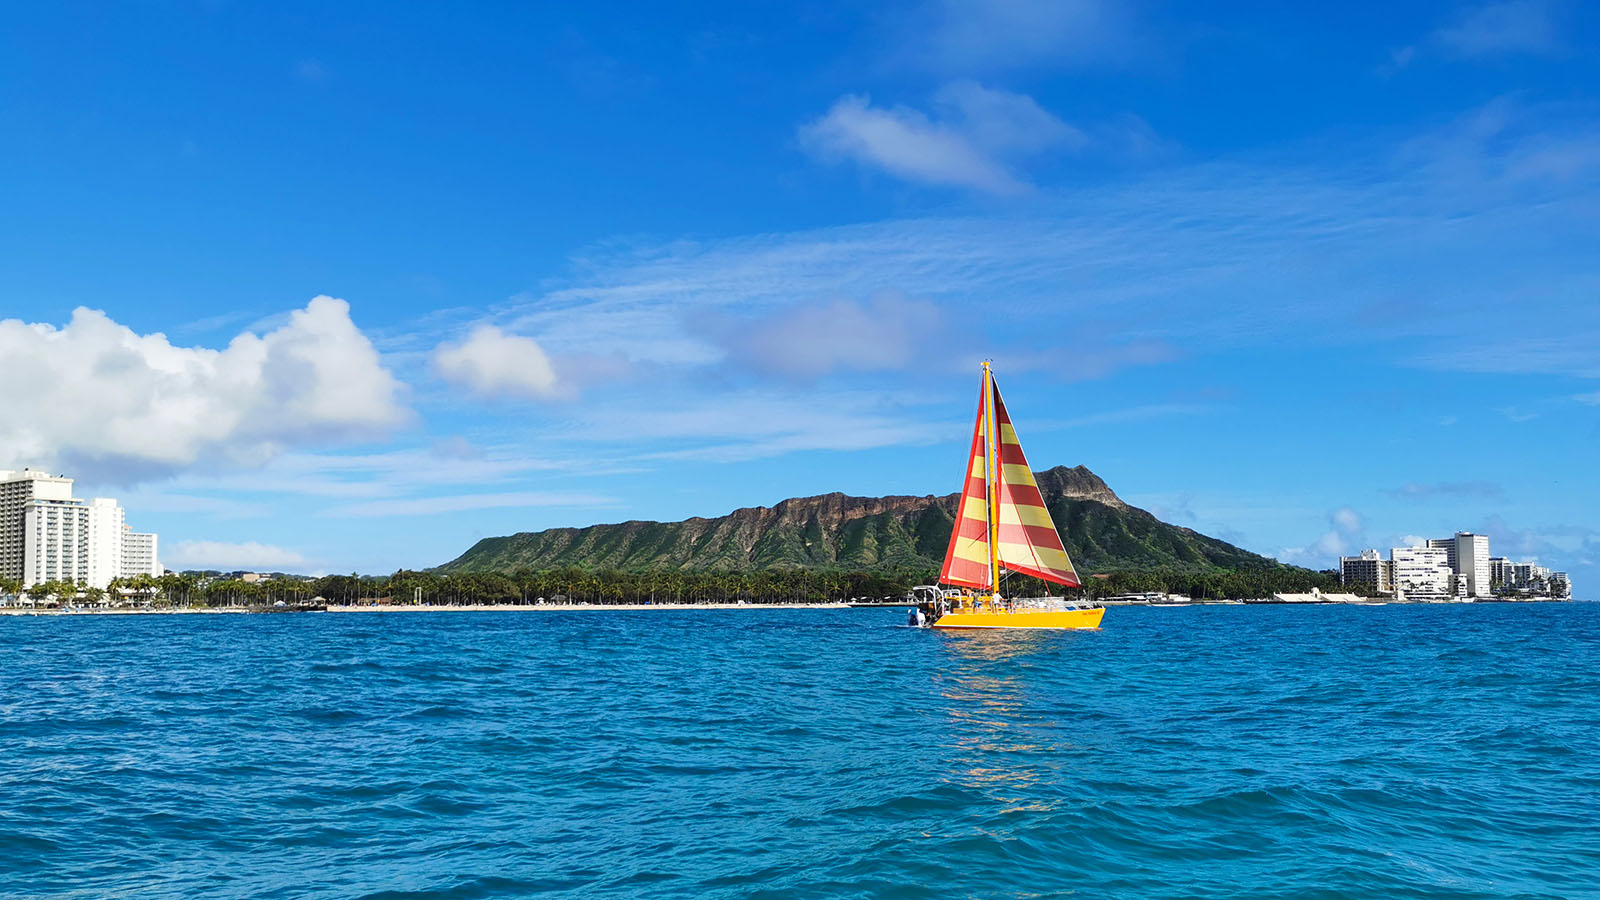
(860, 534)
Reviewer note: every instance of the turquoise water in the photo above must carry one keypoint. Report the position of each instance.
(1217, 752)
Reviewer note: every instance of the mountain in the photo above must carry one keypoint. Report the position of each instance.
(860, 533)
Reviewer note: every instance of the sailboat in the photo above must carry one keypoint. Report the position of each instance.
(1001, 522)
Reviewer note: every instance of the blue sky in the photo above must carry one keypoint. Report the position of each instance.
(347, 287)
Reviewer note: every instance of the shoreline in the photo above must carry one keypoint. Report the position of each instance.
(575, 607)
(651, 607)
(408, 608)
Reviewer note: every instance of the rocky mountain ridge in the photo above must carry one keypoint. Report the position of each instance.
(835, 530)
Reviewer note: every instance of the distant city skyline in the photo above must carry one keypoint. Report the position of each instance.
(1457, 567)
(326, 291)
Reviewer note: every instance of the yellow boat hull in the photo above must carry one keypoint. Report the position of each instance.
(1022, 618)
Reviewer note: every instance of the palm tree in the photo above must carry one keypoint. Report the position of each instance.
(10, 587)
(189, 583)
(145, 583)
(169, 583)
(41, 591)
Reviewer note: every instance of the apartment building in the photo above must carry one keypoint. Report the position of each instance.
(1368, 569)
(1423, 573)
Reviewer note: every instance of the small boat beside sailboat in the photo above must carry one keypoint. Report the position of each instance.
(1001, 523)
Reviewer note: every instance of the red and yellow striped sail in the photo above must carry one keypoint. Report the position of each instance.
(1028, 540)
(966, 563)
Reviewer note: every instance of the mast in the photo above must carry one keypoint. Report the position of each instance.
(991, 477)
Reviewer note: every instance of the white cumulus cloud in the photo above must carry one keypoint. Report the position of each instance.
(973, 140)
(106, 403)
(222, 555)
(1344, 537)
(1346, 520)
(491, 362)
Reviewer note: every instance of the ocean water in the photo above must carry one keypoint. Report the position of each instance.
(1215, 752)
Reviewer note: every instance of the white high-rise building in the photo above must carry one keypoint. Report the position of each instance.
(17, 490)
(1521, 574)
(1468, 557)
(139, 554)
(1423, 573)
(1501, 570)
(1560, 586)
(56, 541)
(1472, 562)
(106, 526)
(1448, 545)
(1368, 569)
(47, 534)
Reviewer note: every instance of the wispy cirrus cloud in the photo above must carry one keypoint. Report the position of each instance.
(310, 70)
(887, 333)
(1506, 27)
(973, 140)
(1191, 260)
(973, 137)
(1547, 542)
(1489, 31)
(451, 503)
(1123, 416)
(975, 36)
(224, 555)
(1447, 489)
(758, 424)
(1212, 255)
(1568, 353)
(359, 476)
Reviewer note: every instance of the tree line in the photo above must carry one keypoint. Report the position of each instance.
(171, 590)
(611, 586)
(577, 585)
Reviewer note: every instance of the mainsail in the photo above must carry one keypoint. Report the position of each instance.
(967, 562)
(999, 487)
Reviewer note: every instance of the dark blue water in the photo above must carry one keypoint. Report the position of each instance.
(1217, 752)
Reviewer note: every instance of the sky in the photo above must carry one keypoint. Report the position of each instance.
(347, 287)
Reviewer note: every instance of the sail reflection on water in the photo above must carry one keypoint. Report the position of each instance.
(999, 744)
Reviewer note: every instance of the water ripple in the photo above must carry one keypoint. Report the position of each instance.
(1219, 752)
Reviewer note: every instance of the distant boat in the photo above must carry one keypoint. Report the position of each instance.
(1001, 521)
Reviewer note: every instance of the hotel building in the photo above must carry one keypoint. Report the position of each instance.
(1368, 569)
(18, 490)
(47, 534)
(1423, 573)
(139, 553)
